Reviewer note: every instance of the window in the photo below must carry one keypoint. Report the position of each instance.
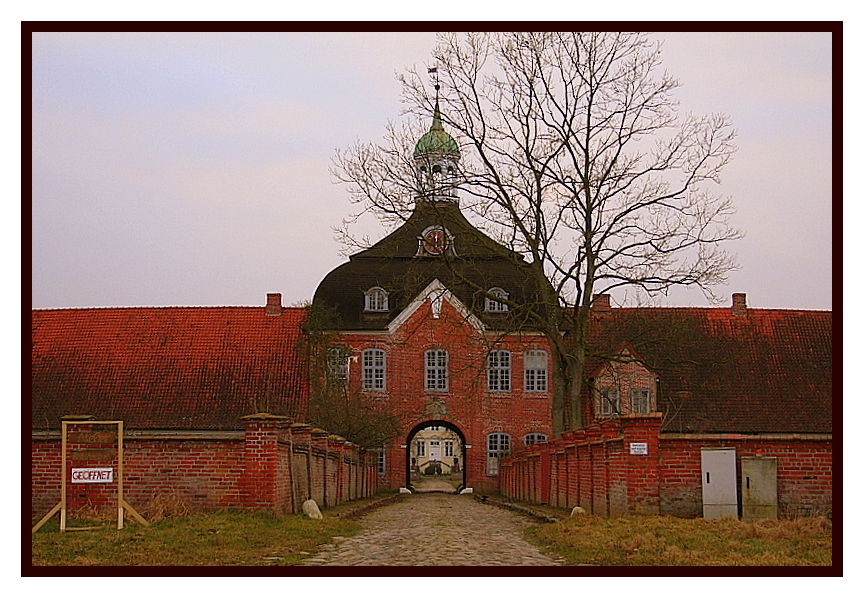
(377, 300)
(436, 370)
(382, 461)
(534, 438)
(497, 447)
(448, 448)
(499, 371)
(609, 401)
(496, 306)
(640, 400)
(373, 369)
(421, 448)
(337, 364)
(535, 371)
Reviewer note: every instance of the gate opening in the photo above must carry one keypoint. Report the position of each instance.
(435, 458)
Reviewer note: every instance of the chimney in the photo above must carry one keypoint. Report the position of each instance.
(739, 304)
(274, 304)
(601, 304)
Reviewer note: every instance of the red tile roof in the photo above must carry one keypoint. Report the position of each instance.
(166, 368)
(769, 371)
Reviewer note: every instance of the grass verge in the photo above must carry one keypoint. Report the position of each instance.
(656, 541)
(207, 538)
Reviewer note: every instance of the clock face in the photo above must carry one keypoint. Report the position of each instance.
(435, 241)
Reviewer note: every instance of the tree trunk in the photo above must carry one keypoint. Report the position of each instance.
(567, 408)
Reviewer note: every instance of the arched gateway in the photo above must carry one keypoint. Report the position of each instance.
(431, 327)
(436, 448)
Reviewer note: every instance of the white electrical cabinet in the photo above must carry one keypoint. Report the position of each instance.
(719, 483)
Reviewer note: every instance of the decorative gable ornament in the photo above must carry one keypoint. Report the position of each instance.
(435, 294)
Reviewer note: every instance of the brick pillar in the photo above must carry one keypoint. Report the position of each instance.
(301, 454)
(643, 470)
(318, 478)
(261, 487)
(336, 447)
(350, 465)
(545, 475)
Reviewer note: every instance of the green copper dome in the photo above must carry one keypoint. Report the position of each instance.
(437, 140)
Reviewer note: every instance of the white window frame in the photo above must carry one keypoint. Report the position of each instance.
(382, 460)
(494, 306)
(374, 370)
(337, 364)
(534, 438)
(377, 299)
(436, 367)
(497, 448)
(420, 448)
(640, 397)
(536, 367)
(448, 448)
(610, 401)
(498, 378)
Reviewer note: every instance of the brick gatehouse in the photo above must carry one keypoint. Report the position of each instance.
(428, 323)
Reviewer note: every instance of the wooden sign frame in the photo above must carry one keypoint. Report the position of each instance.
(122, 505)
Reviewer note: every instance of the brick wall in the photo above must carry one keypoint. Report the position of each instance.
(596, 469)
(271, 465)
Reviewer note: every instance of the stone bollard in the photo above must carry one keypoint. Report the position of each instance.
(310, 508)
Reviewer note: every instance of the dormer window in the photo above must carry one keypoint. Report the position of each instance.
(624, 385)
(377, 300)
(494, 306)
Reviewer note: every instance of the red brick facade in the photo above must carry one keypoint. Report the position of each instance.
(467, 405)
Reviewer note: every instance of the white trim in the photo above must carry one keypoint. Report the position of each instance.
(435, 293)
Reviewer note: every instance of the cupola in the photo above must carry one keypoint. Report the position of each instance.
(436, 157)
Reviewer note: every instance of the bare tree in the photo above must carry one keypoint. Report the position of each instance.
(334, 404)
(573, 154)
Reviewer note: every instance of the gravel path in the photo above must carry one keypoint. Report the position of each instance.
(437, 529)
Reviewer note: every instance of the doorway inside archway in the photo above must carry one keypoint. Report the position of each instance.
(435, 459)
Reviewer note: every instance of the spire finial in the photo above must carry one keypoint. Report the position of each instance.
(436, 115)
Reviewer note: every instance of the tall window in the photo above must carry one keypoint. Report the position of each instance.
(640, 400)
(535, 438)
(337, 364)
(535, 371)
(610, 401)
(382, 461)
(421, 448)
(497, 447)
(448, 448)
(374, 361)
(376, 299)
(499, 371)
(436, 370)
(496, 306)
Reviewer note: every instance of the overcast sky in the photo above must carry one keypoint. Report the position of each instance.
(193, 168)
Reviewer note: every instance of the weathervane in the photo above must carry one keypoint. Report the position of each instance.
(433, 70)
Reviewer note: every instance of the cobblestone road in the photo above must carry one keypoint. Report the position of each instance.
(437, 529)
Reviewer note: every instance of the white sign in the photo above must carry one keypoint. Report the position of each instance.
(638, 448)
(92, 475)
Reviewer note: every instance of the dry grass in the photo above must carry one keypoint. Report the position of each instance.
(166, 505)
(226, 538)
(688, 542)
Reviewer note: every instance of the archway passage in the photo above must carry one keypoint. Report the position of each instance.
(435, 457)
